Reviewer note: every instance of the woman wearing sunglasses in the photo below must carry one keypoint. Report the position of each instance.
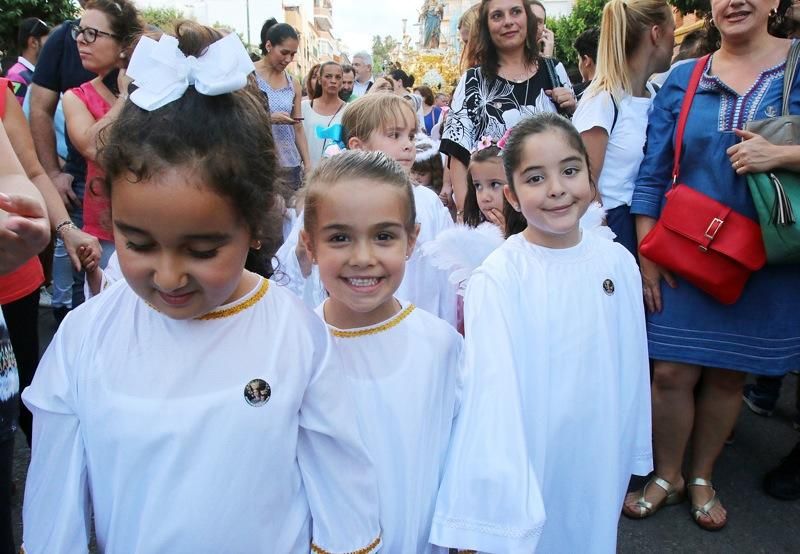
(104, 37)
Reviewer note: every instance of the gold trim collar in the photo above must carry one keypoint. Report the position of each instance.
(380, 328)
(241, 306)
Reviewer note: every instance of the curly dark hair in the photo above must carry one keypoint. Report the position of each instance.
(227, 138)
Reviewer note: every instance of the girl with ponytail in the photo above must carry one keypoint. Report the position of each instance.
(636, 41)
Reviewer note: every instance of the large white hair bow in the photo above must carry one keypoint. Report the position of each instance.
(163, 73)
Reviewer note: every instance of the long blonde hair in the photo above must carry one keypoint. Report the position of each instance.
(624, 24)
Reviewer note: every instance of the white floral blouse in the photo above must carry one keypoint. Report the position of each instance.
(484, 106)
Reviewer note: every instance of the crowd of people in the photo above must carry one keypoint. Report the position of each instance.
(351, 313)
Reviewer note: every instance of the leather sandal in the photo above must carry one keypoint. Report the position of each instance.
(705, 510)
(646, 509)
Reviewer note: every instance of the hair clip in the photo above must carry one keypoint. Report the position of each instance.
(334, 135)
(162, 73)
(501, 144)
(485, 142)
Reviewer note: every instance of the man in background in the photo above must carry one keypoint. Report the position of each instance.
(348, 81)
(362, 64)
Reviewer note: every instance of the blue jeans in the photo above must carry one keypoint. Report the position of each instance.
(68, 283)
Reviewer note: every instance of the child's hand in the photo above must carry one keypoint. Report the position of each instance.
(90, 261)
(89, 258)
(496, 216)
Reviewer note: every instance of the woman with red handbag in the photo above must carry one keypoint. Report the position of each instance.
(698, 333)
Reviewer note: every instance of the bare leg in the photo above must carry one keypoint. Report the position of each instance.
(673, 419)
(718, 403)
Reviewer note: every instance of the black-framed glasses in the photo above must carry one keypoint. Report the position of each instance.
(90, 34)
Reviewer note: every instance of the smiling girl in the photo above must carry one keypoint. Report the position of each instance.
(194, 406)
(402, 363)
(383, 123)
(555, 414)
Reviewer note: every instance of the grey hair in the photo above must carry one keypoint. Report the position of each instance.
(376, 167)
(364, 56)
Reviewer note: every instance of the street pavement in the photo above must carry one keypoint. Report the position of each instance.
(757, 523)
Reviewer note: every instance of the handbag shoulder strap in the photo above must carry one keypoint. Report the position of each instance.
(789, 73)
(699, 66)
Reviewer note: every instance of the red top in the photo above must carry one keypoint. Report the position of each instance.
(96, 205)
(28, 278)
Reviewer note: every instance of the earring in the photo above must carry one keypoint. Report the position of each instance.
(773, 13)
(256, 245)
(122, 55)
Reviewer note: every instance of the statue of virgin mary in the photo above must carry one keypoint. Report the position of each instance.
(431, 19)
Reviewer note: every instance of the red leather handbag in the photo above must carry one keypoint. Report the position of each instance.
(702, 240)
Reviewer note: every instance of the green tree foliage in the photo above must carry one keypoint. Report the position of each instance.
(163, 18)
(690, 6)
(382, 49)
(585, 14)
(13, 11)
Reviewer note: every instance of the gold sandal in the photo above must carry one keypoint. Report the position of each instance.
(704, 510)
(645, 508)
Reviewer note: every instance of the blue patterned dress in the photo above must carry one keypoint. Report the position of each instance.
(761, 332)
(282, 100)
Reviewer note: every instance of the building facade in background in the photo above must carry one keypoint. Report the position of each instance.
(311, 18)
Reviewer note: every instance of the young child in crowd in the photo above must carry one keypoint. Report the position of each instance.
(486, 179)
(428, 168)
(194, 406)
(402, 362)
(388, 124)
(555, 414)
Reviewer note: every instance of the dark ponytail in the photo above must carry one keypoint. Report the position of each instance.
(275, 33)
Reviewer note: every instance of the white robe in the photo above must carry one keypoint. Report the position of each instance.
(145, 419)
(405, 382)
(555, 414)
(423, 284)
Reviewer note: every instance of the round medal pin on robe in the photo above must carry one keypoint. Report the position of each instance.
(257, 392)
(608, 286)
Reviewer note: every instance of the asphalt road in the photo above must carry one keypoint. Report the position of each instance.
(756, 522)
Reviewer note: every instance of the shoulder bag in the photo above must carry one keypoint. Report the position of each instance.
(702, 240)
(776, 193)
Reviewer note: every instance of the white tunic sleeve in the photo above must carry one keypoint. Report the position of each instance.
(338, 475)
(489, 499)
(56, 508)
(288, 270)
(110, 275)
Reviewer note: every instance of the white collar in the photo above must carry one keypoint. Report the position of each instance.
(26, 63)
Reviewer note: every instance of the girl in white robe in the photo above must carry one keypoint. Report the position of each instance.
(388, 124)
(402, 363)
(194, 406)
(555, 414)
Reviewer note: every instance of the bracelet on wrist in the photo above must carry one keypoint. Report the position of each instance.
(64, 226)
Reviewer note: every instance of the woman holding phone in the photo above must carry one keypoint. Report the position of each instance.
(279, 44)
